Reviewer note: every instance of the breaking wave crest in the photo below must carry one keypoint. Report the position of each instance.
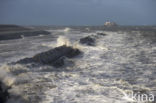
(13, 92)
(63, 41)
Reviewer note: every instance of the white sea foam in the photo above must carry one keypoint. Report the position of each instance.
(10, 80)
(105, 73)
(5, 76)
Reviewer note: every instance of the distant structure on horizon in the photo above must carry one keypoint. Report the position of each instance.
(109, 24)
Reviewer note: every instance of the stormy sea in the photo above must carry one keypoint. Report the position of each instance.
(77, 64)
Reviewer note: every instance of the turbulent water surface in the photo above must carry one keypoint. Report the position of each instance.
(119, 63)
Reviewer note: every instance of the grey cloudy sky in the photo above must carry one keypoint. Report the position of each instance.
(77, 12)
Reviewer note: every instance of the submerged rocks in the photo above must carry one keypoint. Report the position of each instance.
(4, 95)
(102, 34)
(53, 57)
(89, 40)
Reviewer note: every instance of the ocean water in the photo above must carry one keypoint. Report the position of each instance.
(121, 63)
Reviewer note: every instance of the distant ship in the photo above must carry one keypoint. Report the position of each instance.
(110, 24)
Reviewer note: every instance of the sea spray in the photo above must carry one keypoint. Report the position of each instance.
(63, 41)
(9, 83)
(6, 81)
(67, 29)
(5, 76)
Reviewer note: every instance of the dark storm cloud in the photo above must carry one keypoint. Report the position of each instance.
(77, 12)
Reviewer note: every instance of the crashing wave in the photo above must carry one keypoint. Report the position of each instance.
(67, 29)
(9, 93)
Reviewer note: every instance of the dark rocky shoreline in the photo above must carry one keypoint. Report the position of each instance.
(18, 35)
(8, 32)
(54, 57)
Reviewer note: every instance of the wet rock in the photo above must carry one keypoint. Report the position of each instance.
(102, 34)
(59, 62)
(4, 95)
(53, 57)
(89, 40)
(25, 61)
